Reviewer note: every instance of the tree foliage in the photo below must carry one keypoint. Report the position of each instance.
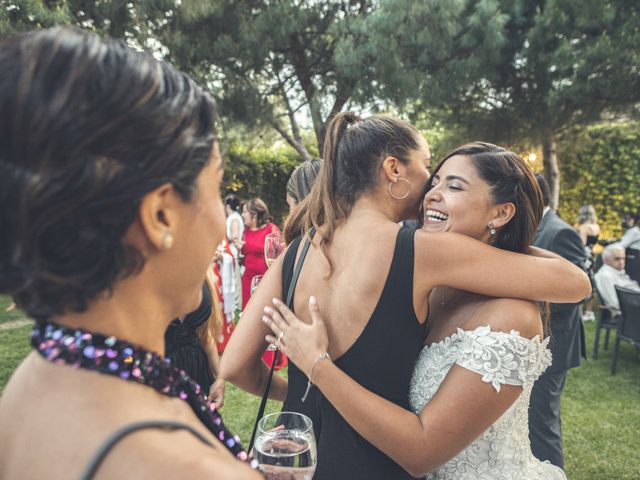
(560, 63)
(508, 71)
(260, 172)
(601, 167)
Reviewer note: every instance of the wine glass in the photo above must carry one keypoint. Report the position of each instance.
(272, 248)
(255, 281)
(286, 446)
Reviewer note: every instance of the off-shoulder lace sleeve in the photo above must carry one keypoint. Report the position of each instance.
(503, 358)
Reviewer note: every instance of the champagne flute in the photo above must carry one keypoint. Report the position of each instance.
(255, 281)
(286, 446)
(272, 248)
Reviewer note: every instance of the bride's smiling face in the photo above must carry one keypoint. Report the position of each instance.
(459, 200)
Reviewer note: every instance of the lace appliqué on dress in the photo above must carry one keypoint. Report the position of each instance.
(502, 358)
(503, 451)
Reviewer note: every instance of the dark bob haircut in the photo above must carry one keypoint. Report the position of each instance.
(87, 128)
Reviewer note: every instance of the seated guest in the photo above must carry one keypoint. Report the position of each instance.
(110, 210)
(612, 274)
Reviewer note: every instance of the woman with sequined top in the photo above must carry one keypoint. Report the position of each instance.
(110, 212)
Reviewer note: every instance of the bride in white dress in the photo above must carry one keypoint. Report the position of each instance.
(497, 341)
(472, 381)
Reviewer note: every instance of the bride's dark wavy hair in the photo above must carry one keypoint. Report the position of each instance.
(510, 180)
(87, 128)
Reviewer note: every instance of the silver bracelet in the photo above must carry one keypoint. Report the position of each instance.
(309, 384)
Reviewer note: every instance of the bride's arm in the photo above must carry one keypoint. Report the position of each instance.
(463, 407)
(461, 410)
(461, 262)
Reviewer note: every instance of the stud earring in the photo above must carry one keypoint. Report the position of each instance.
(492, 230)
(167, 240)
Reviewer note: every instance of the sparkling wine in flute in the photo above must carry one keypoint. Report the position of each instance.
(272, 248)
(286, 455)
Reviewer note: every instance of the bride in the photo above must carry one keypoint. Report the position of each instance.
(481, 355)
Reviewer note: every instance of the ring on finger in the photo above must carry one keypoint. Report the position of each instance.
(280, 336)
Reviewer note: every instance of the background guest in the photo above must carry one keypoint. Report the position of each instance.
(631, 241)
(235, 224)
(257, 221)
(589, 230)
(587, 225)
(227, 285)
(631, 237)
(235, 229)
(567, 339)
(612, 274)
(190, 341)
(301, 181)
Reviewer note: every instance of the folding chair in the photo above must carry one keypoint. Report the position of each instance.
(608, 320)
(629, 327)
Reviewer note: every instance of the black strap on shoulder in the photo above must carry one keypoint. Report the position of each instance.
(98, 457)
(289, 301)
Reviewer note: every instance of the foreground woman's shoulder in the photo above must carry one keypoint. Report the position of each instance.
(161, 454)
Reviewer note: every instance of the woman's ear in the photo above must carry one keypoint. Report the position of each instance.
(503, 213)
(391, 167)
(158, 216)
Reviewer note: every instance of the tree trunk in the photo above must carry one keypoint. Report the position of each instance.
(551, 169)
(292, 141)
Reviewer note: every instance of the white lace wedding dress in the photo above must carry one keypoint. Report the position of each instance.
(503, 451)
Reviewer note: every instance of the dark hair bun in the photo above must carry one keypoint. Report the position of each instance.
(87, 128)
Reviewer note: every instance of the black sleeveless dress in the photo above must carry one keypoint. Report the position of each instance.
(183, 346)
(381, 360)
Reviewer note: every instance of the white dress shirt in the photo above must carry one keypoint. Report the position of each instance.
(631, 238)
(606, 280)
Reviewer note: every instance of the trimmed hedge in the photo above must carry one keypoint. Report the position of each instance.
(600, 166)
(260, 172)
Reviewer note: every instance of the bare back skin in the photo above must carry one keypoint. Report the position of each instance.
(361, 251)
(49, 396)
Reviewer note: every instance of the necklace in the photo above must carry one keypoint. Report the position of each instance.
(107, 355)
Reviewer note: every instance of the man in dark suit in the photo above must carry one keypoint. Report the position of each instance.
(567, 340)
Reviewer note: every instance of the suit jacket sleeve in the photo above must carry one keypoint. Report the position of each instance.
(567, 244)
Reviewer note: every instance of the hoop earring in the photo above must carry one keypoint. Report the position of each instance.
(492, 230)
(391, 184)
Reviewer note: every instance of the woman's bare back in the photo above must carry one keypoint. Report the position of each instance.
(361, 252)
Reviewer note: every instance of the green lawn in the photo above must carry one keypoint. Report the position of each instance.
(601, 413)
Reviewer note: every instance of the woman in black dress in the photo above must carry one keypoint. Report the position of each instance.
(190, 345)
(373, 279)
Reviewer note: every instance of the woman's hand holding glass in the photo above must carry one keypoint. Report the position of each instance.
(302, 342)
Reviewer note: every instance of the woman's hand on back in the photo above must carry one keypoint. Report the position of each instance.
(302, 342)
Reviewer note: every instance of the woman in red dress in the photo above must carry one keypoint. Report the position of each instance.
(257, 222)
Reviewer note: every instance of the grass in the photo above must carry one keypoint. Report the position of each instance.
(600, 412)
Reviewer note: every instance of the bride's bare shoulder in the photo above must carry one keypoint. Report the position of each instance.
(507, 314)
